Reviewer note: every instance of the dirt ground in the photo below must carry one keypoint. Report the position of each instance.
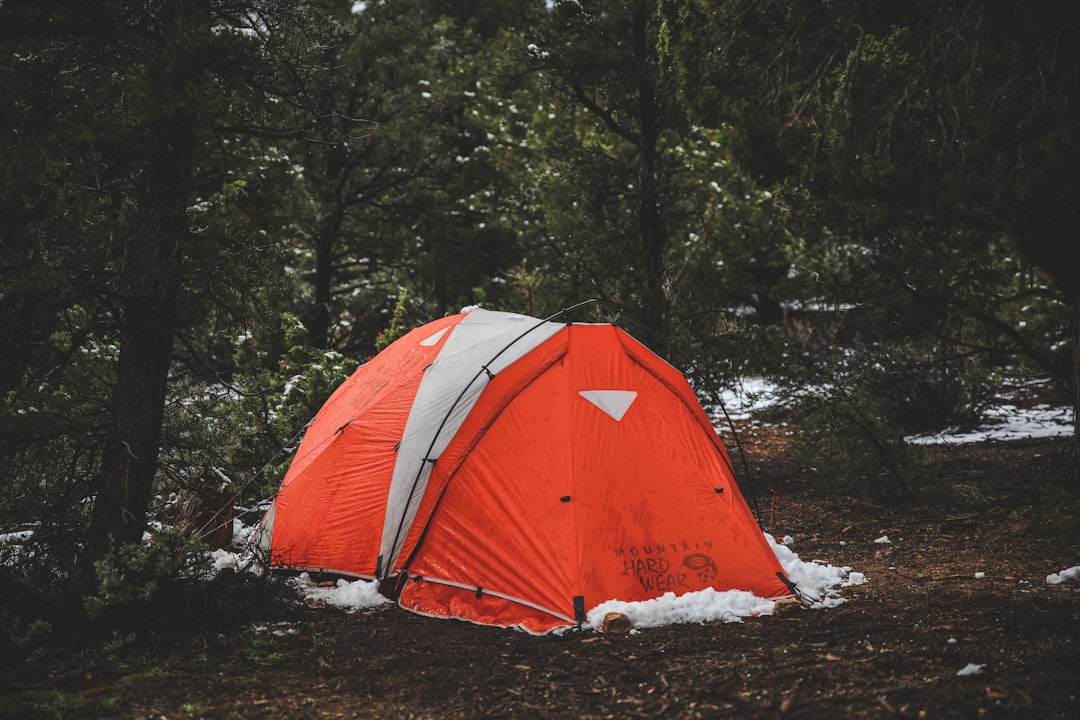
(963, 581)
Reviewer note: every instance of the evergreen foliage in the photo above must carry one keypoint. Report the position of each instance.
(213, 211)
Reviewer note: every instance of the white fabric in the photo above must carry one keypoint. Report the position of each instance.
(456, 375)
(263, 533)
(614, 402)
(434, 338)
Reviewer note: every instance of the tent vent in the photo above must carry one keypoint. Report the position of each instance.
(564, 498)
(719, 491)
(613, 402)
(579, 608)
(432, 340)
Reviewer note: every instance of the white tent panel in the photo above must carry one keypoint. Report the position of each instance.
(447, 393)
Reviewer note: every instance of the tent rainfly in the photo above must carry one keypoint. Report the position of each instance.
(518, 472)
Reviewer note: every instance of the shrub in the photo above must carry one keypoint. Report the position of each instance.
(145, 577)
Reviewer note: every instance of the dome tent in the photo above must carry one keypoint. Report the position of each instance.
(512, 471)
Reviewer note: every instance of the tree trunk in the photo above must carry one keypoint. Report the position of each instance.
(650, 221)
(150, 285)
(1076, 393)
(131, 449)
(318, 326)
(328, 234)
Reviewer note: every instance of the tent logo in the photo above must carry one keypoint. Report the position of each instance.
(703, 565)
(613, 402)
(433, 340)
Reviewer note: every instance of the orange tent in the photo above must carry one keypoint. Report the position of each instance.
(518, 472)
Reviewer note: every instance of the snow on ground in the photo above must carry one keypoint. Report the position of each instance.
(1007, 422)
(351, 596)
(1067, 575)
(970, 669)
(818, 581)
(706, 605)
(751, 396)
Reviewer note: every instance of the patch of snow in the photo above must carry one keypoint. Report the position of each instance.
(883, 540)
(13, 548)
(816, 580)
(1007, 422)
(16, 537)
(348, 595)
(970, 669)
(280, 629)
(702, 606)
(750, 397)
(225, 560)
(1067, 575)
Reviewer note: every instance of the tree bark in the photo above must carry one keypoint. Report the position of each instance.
(130, 457)
(650, 221)
(1076, 393)
(318, 326)
(328, 235)
(150, 284)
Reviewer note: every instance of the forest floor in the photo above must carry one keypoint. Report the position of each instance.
(962, 582)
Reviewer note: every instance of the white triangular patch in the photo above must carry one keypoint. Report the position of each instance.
(429, 341)
(614, 402)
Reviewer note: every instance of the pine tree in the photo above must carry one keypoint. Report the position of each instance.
(136, 231)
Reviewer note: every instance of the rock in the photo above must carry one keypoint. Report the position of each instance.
(786, 606)
(616, 623)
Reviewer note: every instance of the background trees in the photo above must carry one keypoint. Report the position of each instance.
(907, 149)
(214, 210)
(148, 103)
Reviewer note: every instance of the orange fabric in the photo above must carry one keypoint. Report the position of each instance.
(499, 393)
(329, 511)
(545, 496)
(438, 600)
